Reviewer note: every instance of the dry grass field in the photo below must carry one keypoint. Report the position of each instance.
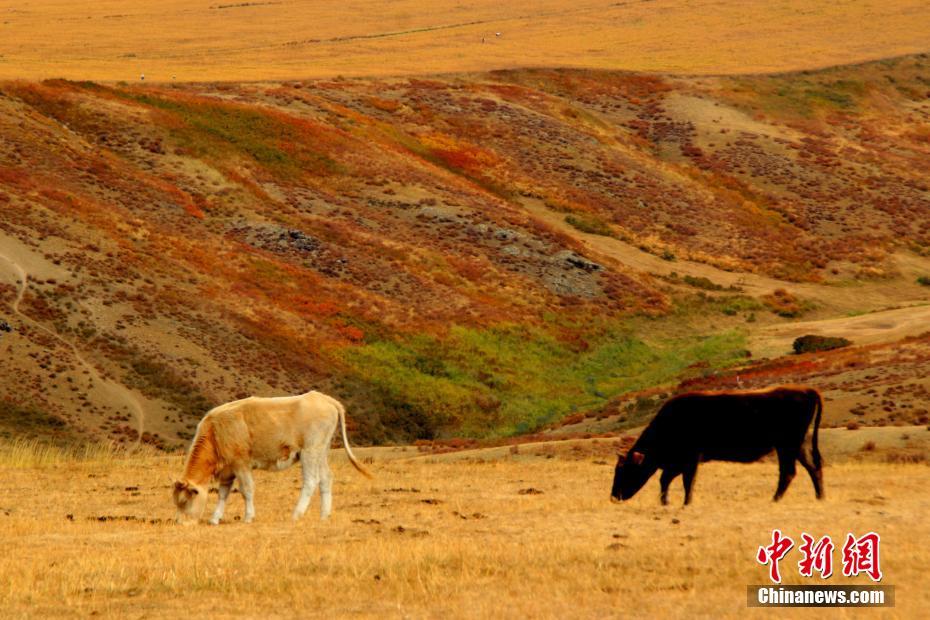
(282, 39)
(442, 536)
(518, 222)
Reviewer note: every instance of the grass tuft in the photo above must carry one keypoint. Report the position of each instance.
(590, 224)
(31, 453)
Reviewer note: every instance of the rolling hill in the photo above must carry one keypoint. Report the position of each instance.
(474, 254)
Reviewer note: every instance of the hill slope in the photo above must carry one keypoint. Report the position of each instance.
(476, 254)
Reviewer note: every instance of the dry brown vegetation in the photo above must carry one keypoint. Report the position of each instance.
(282, 39)
(413, 245)
(514, 266)
(454, 536)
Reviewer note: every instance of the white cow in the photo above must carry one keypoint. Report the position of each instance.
(265, 433)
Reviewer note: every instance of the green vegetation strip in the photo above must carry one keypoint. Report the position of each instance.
(514, 379)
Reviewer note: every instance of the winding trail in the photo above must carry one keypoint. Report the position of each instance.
(114, 389)
(843, 299)
(871, 328)
(869, 314)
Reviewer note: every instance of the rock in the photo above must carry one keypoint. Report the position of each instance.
(280, 240)
(576, 260)
(301, 241)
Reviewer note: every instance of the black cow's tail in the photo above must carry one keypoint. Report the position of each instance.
(818, 409)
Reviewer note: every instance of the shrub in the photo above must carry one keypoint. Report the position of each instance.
(732, 306)
(784, 304)
(702, 283)
(811, 343)
(590, 224)
(924, 280)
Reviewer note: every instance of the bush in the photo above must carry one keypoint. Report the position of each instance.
(702, 283)
(589, 224)
(924, 280)
(784, 304)
(811, 343)
(731, 306)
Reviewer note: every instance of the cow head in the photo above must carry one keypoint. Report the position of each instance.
(190, 500)
(630, 474)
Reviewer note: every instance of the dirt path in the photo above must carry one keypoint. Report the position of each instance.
(876, 327)
(853, 298)
(116, 391)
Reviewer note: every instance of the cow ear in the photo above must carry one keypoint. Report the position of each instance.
(178, 485)
(637, 457)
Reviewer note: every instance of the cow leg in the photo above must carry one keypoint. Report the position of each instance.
(666, 479)
(225, 486)
(786, 472)
(310, 470)
(326, 490)
(816, 473)
(247, 487)
(687, 477)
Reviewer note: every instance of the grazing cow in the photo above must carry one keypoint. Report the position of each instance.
(266, 433)
(741, 426)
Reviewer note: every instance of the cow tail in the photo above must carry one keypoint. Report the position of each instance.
(345, 440)
(818, 409)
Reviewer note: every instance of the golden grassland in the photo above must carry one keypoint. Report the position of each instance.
(439, 536)
(234, 40)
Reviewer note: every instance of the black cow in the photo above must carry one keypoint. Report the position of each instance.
(740, 426)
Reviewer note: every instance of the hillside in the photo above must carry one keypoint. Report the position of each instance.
(473, 254)
(195, 40)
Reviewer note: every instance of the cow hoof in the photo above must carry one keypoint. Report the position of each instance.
(214, 521)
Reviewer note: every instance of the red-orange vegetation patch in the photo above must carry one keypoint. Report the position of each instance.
(385, 105)
(18, 178)
(351, 333)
